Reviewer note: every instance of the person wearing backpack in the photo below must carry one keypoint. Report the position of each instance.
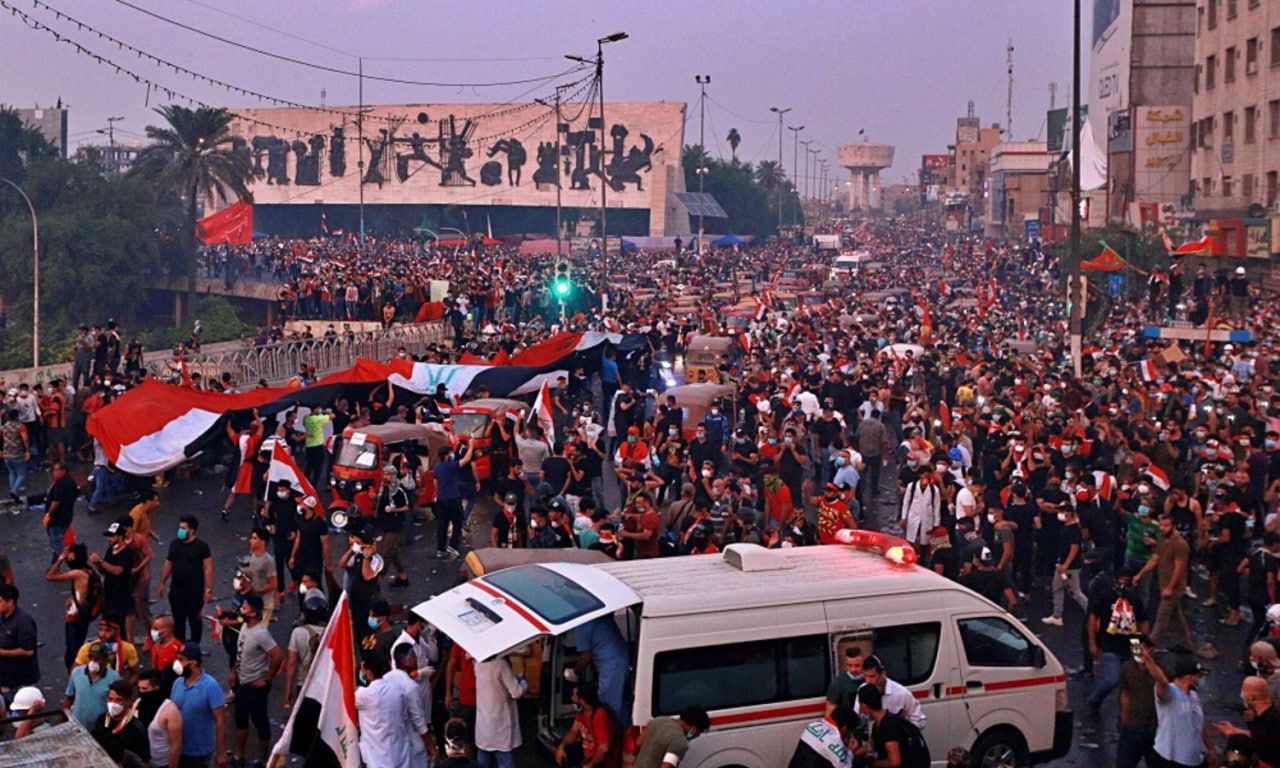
(304, 641)
(894, 742)
(85, 603)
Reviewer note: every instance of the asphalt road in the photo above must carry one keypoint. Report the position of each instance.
(26, 545)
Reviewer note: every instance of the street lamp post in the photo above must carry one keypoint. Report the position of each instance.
(807, 152)
(703, 81)
(35, 274)
(559, 224)
(795, 168)
(1075, 295)
(780, 113)
(604, 184)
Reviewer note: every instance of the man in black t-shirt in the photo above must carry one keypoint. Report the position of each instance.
(60, 502)
(188, 568)
(555, 470)
(891, 740)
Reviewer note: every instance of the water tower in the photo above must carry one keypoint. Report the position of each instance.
(865, 160)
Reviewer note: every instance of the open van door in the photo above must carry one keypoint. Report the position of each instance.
(495, 613)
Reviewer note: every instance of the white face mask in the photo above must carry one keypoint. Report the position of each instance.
(115, 708)
(155, 635)
(1062, 517)
(177, 667)
(237, 583)
(94, 667)
(991, 518)
(355, 547)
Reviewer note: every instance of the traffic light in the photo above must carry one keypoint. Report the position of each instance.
(561, 284)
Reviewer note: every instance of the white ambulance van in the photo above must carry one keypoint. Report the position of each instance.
(755, 636)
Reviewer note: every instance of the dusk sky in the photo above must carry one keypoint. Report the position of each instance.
(901, 69)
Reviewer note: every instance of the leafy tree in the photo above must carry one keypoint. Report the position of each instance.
(192, 158)
(769, 175)
(20, 146)
(735, 141)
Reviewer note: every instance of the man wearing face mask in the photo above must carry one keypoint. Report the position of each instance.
(86, 693)
(199, 698)
(190, 565)
(161, 719)
(119, 730)
(390, 511)
(258, 661)
(1262, 719)
(1066, 574)
(842, 693)
(363, 566)
(163, 648)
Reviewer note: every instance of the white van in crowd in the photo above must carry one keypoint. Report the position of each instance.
(755, 636)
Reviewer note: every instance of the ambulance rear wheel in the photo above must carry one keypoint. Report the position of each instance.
(1000, 748)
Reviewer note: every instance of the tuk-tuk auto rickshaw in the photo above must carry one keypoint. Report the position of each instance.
(357, 471)
(704, 356)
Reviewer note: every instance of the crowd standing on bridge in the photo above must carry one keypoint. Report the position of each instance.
(929, 394)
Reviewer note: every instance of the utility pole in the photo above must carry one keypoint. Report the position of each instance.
(35, 274)
(780, 113)
(360, 148)
(559, 223)
(795, 169)
(111, 144)
(1074, 294)
(703, 81)
(604, 184)
(1008, 104)
(807, 152)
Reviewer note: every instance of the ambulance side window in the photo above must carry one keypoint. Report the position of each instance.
(740, 674)
(990, 641)
(908, 651)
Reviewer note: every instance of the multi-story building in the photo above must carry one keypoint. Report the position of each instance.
(1235, 115)
(1019, 184)
(50, 122)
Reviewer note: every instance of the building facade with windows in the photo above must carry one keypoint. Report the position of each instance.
(1235, 120)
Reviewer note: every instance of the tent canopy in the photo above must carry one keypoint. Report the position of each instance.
(728, 241)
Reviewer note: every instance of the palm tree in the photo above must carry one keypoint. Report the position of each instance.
(769, 175)
(735, 140)
(192, 158)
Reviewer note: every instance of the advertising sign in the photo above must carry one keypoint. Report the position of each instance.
(1109, 64)
(1162, 153)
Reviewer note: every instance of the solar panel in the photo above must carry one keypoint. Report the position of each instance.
(701, 204)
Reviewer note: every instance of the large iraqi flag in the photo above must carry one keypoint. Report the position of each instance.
(156, 426)
(323, 728)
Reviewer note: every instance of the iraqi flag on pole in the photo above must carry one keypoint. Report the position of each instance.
(232, 225)
(284, 469)
(1147, 369)
(323, 728)
(541, 413)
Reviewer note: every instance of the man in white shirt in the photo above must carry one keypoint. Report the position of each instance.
(897, 699)
(406, 664)
(967, 497)
(497, 720)
(421, 638)
(387, 738)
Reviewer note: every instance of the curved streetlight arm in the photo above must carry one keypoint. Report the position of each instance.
(35, 274)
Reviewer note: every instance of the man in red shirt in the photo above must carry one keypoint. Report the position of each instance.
(593, 734)
(645, 530)
(460, 674)
(833, 514)
(163, 647)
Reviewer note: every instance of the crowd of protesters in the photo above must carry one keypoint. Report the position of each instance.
(930, 394)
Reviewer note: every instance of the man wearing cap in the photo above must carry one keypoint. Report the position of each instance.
(27, 701)
(1238, 291)
(199, 698)
(309, 549)
(86, 693)
(121, 655)
(257, 662)
(1181, 736)
(117, 569)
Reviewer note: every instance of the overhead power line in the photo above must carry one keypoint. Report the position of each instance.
(327, 68)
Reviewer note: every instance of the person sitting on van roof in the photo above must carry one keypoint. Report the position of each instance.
(665, 741)
(897, 699)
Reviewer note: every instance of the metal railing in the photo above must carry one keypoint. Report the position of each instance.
(278, 362)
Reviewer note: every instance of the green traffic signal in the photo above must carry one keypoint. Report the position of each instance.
(562, 287)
